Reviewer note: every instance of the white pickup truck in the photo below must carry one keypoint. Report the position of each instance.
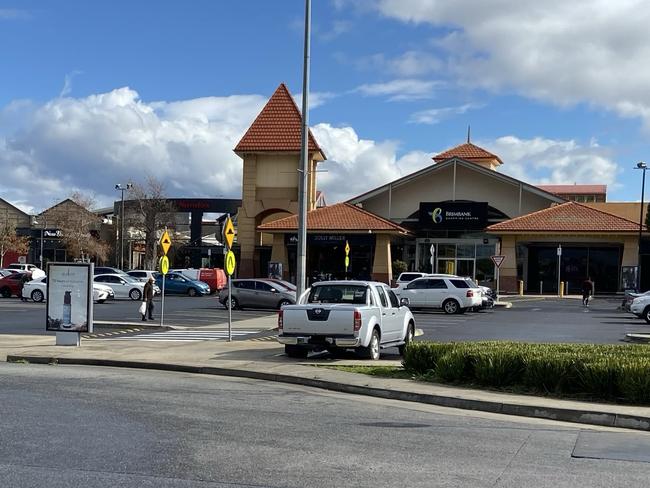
(337, 315)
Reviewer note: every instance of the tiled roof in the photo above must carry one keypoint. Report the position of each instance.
(337, 217)
(467, 151)
(277, 127)
(574, 189)
(567, 217)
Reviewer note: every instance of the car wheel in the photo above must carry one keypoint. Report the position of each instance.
(450, 306)
(296, 351)
(37, 296)
(102, 300)
(372, 351)
(5, 292)
(135, 294)
(283, 303)
(408, 338)
(646, 315)
(234, 304)
(192, 292)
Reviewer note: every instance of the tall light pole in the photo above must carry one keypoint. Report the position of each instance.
(643, 166)
(42, 224)
(122, 189)
(301, 282)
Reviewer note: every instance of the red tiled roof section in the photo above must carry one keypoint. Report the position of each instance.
(567, 217)
(277, 127)
(467, 151)
(574, 189)
(337, 217)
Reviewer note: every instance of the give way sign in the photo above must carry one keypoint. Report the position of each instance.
(497, 260)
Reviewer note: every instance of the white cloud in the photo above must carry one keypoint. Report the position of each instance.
(91, 143)
(316, 99)
(401, 89)
(591, 51)
(67, 83)
(407, 65)
(436, 115)
(338, 28)
(357, 165)
(549, 161)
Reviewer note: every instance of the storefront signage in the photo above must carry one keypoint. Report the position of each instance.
(69, 297)
(453, 215)
(52, 233)
(332, 239)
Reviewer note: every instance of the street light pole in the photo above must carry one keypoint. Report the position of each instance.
(301, 282)
(640, 165)
(122, 189)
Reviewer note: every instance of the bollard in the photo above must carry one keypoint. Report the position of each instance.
(541, 292)
(521, 287)
(561, 289)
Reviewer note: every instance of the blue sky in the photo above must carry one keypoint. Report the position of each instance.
(95, 93)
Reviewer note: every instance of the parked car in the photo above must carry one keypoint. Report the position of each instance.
(107, 270)
(257, 293)
(143, 275)
(6, 272)
(177, 283)
(214, 277)
(12, 284)
(407, 277)
(287, 284)
(641, 307)
(37, 291)
(123, 285)
(35, 271)
(452, 295)
(338, 315)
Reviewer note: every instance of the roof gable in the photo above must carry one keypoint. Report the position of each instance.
(337, 217)
(468, 152)
(277, 128)
(567, 217)
(13, 207)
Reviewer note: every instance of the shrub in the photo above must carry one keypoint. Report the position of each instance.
(634, 380)
(502, 368)
(454, 366)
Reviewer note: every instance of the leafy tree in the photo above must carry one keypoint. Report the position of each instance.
(10, 241)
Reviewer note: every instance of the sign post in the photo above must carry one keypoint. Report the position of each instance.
(497, 260)
(432, 259)
(230, 263)
(165, 243)
(559, 265)
(347, 258)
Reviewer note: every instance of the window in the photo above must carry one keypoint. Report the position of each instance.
(405, 277)
(101, 279)
(261, 286)
(138, 274)
(435, 284)
(246, 285)
(354, 294)
(382, 297)
(465, 251)
(446, 250)
(419, 284)
(460, 283)
(393, 299)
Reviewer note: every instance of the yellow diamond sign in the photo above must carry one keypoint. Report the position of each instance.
(347, 248)
(165, 242)
(229, 233)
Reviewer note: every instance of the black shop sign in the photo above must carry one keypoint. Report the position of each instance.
(332, 239)
(453, 215)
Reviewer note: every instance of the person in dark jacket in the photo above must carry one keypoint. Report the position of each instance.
(587, 290)
(147, 297)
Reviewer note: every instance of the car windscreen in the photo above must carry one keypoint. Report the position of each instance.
(406, 277)
(353, 294)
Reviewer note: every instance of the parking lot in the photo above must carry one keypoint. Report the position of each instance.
(530, 319)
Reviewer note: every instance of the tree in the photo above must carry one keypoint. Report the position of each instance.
(147, 214)
(10, 241)
(79, 227)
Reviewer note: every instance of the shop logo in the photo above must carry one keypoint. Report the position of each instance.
(436, 215)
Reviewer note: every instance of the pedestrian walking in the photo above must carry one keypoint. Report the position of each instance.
(23, 279)
(147, 300)
(587, 290)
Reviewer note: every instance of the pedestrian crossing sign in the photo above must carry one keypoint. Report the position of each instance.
(165, 242)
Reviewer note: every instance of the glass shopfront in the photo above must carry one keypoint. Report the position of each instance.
(466, 257)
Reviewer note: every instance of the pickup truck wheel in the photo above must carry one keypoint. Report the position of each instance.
(372, 351)
(296, 351)
(450, 306)
(408, 338)
(646, 315)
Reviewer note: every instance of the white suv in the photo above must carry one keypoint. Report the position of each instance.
(451, 294)
(641, 307)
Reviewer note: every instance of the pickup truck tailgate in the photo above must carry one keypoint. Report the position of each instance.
(319, 319)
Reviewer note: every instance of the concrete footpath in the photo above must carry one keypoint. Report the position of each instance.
(265, 360)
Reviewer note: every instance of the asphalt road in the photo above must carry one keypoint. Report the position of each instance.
(65, 426)
(530, 319)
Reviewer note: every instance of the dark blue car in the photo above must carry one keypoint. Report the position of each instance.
(179, 284)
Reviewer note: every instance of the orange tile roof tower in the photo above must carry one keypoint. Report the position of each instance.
(270, 150)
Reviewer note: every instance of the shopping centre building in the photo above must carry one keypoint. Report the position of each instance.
(449, 217)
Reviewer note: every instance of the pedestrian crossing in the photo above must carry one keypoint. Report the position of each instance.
(185, 335)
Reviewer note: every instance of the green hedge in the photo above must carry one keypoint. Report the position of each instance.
(604, 372)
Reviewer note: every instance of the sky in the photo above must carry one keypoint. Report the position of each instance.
(98, 93)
